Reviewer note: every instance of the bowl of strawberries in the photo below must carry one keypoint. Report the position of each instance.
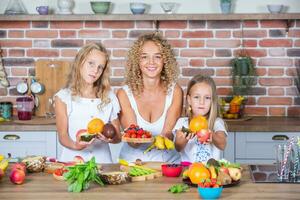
(209, 189)
(136, 134)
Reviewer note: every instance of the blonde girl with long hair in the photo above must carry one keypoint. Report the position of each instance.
(201, 100)
(86, 96)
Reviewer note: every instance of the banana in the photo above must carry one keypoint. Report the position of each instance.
(4, 164)
(169, 144)
(213, 173)
(161, 143)
(1, 157)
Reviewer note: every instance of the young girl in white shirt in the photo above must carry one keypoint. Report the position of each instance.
(201, 100)
(87, 96)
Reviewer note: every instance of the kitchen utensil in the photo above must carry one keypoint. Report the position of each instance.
(53, 75)
(100, 7)
(24, 108)
(138, 8)
(275, 8)
(37, 88)
(168, 7)
(15, 7)
(42, 10)
(22, 87)
(5, 110)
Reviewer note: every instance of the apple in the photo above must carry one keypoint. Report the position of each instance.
(203, 135)
(17, 176)
(235, 173)
(224, 169)
(2, 174)
(78, 160)
(20, 166)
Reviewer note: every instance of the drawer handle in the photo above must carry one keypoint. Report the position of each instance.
(11, 137)
(280, 137)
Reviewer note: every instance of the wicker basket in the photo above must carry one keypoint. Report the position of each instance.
(231, 111)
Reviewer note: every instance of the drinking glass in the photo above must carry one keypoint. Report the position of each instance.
(282, 167)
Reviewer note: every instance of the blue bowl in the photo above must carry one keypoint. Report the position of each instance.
(210, 193)
(138, 8)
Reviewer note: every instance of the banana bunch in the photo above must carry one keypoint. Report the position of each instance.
(3, 164)
(161, 143)
(237, 100)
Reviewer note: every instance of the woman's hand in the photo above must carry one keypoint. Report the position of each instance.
(134, 145)
(104, 139)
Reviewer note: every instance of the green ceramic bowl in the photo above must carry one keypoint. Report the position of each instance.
(100, 7)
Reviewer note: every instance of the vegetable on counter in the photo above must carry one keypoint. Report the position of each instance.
(178, 188)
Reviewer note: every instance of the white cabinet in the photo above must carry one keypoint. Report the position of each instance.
(259, 147)
(21, 144)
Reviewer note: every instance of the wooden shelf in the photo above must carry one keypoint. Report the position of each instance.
(167, 17)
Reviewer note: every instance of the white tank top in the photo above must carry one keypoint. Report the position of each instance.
(131, 154)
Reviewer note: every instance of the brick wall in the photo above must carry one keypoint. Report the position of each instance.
(201, 47)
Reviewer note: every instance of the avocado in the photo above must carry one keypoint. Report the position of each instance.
(87, 137)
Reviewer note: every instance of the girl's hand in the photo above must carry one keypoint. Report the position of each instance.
(103, 138)
(182, 136)
(79, 145)
(210, 137)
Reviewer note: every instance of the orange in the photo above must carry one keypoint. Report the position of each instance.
(197, 172)
(198, 123)
(95, 126)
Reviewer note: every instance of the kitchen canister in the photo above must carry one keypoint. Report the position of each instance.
(6, 110)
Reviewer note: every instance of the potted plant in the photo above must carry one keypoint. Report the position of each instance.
(243, 74)
(225, 6)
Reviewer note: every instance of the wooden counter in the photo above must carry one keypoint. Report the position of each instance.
(44, 186)
(255, 124)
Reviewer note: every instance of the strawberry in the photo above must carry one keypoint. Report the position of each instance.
(140, 132)
(133, 135)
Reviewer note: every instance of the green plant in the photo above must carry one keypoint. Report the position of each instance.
(225, 1)
(243, 75)
(178, 188)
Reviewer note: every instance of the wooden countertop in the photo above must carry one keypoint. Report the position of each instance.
(155, 17)
(254, 124)
(44, 186)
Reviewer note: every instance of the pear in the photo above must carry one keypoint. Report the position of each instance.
(224, 178)
(235, 173)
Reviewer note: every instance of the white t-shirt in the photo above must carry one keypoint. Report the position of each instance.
(131, 154)
(196, 152)
(80, 111)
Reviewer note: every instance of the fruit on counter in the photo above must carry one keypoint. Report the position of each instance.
(1, 157)
(209, 183)
(83, 135)
(17, 176)
(95, 126)
(169, 144)
(134, 131)
(78, 160)
(237, 100)
(34, 163)
(4, 164)
(2, 174)
(198, 123)
(213, 162)
(224, 169)
(213, 173)
(235, 173)
(109, 130)
(203, 135)
(58, 173)
(197, 172)
(224, 178)
(20, 166)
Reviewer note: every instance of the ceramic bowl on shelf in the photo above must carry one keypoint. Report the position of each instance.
(138, 8)
(275, 8)
(100, 7)
(168, 7)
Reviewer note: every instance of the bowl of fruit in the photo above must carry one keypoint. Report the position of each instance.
(171, 170)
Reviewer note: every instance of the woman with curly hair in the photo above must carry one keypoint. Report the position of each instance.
(151, 98)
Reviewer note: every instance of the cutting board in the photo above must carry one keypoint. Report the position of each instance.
(53, 75)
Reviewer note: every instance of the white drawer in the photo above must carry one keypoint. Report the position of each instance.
(28, 143)
(258, 145)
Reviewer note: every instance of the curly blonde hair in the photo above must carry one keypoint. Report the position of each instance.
(133, 75)
(75, 81)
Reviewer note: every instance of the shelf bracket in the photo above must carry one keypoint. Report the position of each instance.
(156, 25)
(288, 25)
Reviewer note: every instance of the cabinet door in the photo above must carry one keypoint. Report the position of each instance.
(259, 147)
(228, 153)
(21, 144)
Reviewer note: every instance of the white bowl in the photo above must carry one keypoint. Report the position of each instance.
(275, 8)
(168, 7)
(138, 8)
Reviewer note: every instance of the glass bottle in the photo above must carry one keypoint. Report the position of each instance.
(15, 7)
